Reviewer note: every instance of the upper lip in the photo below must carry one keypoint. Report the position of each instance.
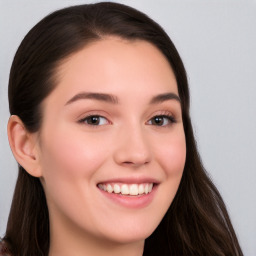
(131, 180)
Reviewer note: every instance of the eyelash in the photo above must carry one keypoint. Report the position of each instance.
(170, 119)
(166, 116)
(85, 120)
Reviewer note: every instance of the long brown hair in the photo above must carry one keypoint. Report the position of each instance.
(197, 222)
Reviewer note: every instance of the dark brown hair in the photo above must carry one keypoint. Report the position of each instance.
(197, 221)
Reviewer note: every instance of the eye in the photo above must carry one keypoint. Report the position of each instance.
(94, 120)
(162, 120)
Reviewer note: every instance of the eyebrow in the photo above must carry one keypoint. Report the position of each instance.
(164, 97)
(94, 96)
(109, 98)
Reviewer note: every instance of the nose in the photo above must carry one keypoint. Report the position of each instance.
(133, 148)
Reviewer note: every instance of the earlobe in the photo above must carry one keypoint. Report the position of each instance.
(24, 146)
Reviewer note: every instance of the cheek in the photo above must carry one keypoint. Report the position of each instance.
(69, 163)
(71, 155)
(171, 155)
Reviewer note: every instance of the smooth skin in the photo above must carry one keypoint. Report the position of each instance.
(86, 140)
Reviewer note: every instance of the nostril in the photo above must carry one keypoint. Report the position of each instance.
(127, 162)
(135, 163)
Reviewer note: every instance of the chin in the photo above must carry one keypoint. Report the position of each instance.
(131, 232)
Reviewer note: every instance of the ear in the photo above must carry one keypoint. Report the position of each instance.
(24, 146)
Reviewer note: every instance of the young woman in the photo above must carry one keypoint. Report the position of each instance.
(101, 130)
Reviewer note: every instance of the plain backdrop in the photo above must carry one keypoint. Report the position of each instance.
(217, 42)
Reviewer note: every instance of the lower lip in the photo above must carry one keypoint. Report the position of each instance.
(139, 201)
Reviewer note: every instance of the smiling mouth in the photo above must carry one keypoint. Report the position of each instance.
(127, 189)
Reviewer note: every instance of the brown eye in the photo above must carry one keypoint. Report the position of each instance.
(158, 120)
(162, 120)
(94, 120)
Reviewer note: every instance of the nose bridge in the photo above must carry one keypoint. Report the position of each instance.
(133, 148)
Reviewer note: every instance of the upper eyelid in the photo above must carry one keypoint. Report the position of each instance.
(100, 113)
(161, 113)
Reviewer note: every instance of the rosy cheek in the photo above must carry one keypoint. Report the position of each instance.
(173, 156)
(71, 156)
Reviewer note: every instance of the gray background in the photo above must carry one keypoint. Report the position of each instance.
(217, 41)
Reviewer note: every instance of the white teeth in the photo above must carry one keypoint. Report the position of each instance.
(124, 189)
(146, 189)
(127, 189)
(117, 189)
(109, 188)
(141, 189)
(134, 190)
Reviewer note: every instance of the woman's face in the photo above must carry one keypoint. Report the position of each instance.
(112, 123)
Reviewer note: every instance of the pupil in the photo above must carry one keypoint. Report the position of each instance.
(94, 120)
(158, 120)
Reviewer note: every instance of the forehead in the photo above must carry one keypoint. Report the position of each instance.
(116, 65)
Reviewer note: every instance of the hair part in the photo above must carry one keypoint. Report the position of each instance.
(197, 222)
